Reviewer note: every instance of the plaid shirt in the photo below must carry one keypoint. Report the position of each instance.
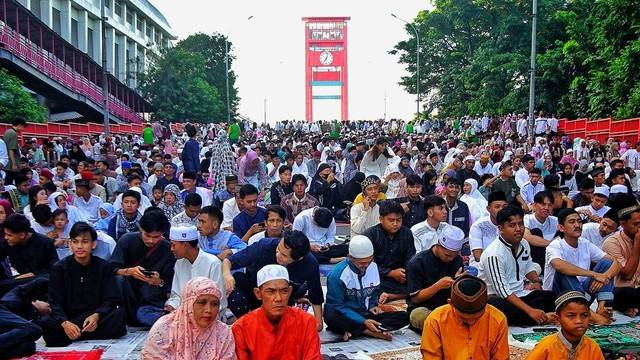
(292, 206)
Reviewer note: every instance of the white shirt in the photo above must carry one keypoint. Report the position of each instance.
(256, 237)
(299, 169)
(599, 213)
(521, 127)
(488, 169)
(481, 234)
(276, 176)
(528, 191)
(316, 234)
(548, 228)
(553, 124)
(206, 265)
(90, 210)
(205, 195)
(229, 211)
(361, 220)
(4, 154)
(499, 271)
(425, 236)
(632, 159)
(541, 125)
(522, 176)
(582, 257)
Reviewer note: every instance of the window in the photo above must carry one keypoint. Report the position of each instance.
(74, 32)
(107, 3)
(35, 8)
(149, 28)
(90, 42)
(139, 24)
(129, 16)
(55, 20)
(116, 60)
(117, 8)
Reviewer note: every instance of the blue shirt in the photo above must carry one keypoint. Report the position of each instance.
(262, 253)
(221, 241)
(243, 221)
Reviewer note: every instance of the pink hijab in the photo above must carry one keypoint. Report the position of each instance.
(168, 147)
(177, 336)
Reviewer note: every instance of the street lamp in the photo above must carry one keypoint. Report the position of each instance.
(226, 66)
(105, 74)
(417, 61)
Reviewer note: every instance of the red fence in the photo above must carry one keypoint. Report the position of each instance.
(73, 130)
(48, 64)
(602, 129)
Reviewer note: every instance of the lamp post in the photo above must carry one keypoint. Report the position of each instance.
(226, 66)
(417, 61)
(532, 75)
(105, 73)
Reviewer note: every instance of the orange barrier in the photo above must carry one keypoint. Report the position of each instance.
(48, 131)
(602, 129)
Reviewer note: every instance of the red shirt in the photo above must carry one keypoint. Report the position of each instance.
(294, 338)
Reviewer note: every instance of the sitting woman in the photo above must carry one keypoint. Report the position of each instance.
(37, 196)
(170, 204)
(475, 201)
(193, 330)
(106, 212)
(58, 200)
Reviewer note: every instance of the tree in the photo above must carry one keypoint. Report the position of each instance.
(176, 85)
(212, 47)
(16, 102)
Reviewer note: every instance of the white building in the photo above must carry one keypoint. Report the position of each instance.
(134, 27)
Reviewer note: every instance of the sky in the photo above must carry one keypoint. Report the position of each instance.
(270, 52)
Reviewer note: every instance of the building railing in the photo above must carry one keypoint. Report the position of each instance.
(51, 66)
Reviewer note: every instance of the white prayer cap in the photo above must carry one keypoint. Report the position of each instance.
(360, 247)
(615, 189)
(272, 272)
(470, 157)
(602, 190)
(452, 238)
(183, 232)
(136, 189)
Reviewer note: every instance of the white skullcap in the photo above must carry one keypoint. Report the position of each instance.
(360, 247)
(272, 272)
(183, 232)
(603, 190)
(452, 238)
(470, 157)
(136, 189)
(615, 189)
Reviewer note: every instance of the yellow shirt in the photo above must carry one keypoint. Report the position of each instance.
(445, 336)
(359, 198)
(555, 347)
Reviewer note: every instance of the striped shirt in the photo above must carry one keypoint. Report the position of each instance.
(503, 271)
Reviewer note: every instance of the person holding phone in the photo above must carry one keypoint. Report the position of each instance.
(365, 213)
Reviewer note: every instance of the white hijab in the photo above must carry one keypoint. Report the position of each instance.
(475, 201)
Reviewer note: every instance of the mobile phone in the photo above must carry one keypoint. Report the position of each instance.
(383, 329)
(148, 273)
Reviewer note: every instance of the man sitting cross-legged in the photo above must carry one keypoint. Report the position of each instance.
(353, 291)
(568, 263)
(83, 295)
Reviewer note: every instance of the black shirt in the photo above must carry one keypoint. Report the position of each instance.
(391, 253)
(76, 289)
(463, 175)
(416, 211)
(37, 255)
(424, 270)
(278, 192)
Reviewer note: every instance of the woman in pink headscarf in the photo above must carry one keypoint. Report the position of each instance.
(168, 147)
(250, 171)
(192, 331)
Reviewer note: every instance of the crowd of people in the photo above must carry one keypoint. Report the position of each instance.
(213, 236)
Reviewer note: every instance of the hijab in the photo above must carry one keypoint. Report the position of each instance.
(427, 188)
(475, 201)
(178, 336)
(103, 224)
(177, 207)
(354, 186)
(223, 161)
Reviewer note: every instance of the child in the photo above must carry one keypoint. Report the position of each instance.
(83, 295)
(158, 195)
(60, 232)
(572, 311)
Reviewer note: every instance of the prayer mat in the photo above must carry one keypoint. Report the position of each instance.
(619, 338)
(66, 355)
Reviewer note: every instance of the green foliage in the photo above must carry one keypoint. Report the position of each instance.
(187, 82)
(475, 57)
(16, 102)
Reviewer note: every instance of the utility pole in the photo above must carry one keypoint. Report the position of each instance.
(532, 75)
(105, 73)
(385, 105)
(265, 110)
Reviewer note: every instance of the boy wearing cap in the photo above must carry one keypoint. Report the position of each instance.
(568, 263)
(427, 233)
(430, 274)
(83, 295)
(320, 227)
(467, 327)
(504, 266)
(485, 230)
(191, 262)
(353, 294)
(275, 330)
(572, 311)
(598, 207)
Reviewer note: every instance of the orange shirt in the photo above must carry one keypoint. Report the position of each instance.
(294, 338)
(553, 347)
(445, 336)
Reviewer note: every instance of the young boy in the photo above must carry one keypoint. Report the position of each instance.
(572, 310)
(83, 295)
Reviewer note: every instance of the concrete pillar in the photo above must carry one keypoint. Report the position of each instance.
(65, 19)
(110, 39)
(122, 45)
(45, 12)
(132, 67)
(97, 40)
(83, 24)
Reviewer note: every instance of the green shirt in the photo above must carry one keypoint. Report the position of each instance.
(234, 131)
(147, 135)
(509, 187)
(11, 140)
